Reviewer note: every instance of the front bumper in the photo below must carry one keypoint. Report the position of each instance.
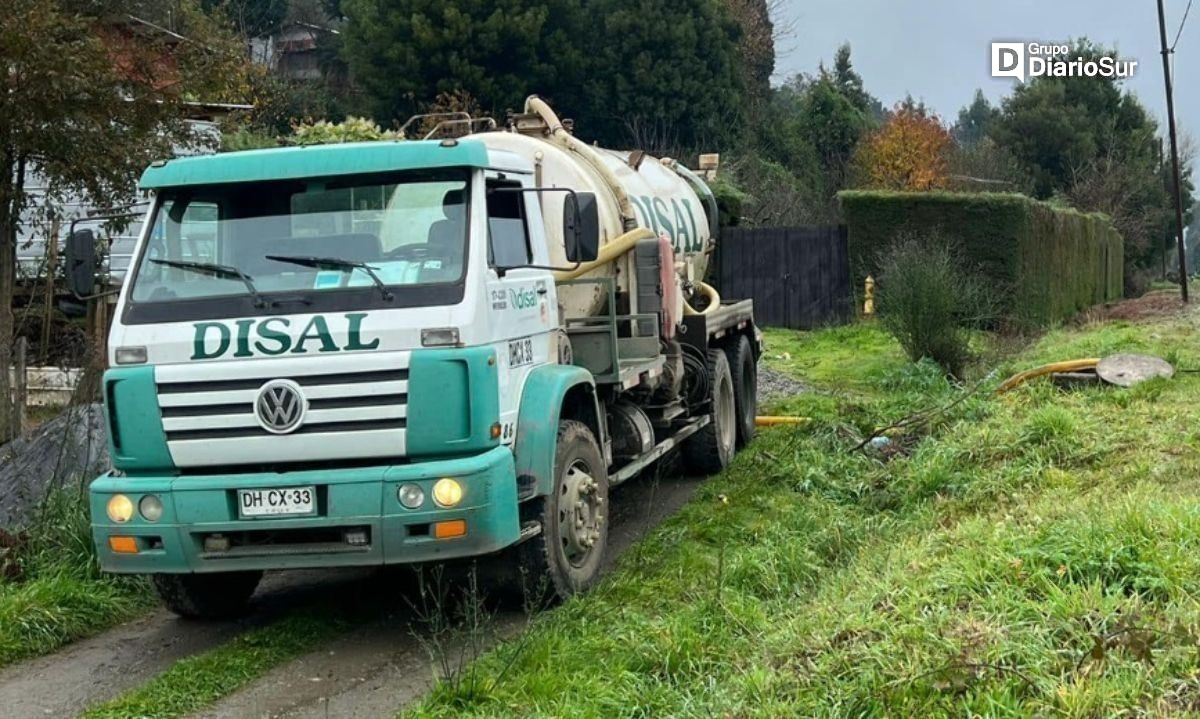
(196, 507)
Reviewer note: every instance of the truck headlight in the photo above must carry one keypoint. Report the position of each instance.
(447, 492)
(410, 496)
(130, 355)
(120, 508)
(151, 508)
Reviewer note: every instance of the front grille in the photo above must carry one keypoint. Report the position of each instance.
(330, 403)
(302, 380)
(221, 433)
(358, 404)
(312, 425)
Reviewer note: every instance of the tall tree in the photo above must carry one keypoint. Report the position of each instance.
(850, 84)
(756, 46)
(812, 127)
(1055, 125)
(89, 98)
(664, 85)
(975, 121)
(834, 124)
(1087, 140)
(404, 53)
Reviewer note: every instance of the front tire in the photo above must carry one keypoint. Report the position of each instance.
(710, 450)
(565, 557)
(206, 596)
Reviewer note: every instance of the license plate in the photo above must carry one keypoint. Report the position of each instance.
(278, 502)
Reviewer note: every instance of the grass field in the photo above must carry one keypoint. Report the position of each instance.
(1034, 553)
(55, 593)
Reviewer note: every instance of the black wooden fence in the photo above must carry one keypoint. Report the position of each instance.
(798, 277)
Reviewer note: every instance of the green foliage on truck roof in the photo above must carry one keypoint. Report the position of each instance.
(350, 158)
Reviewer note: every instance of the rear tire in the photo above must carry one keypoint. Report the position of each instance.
(710, 450)
(745, 387)
(564, 559)
(206, 596)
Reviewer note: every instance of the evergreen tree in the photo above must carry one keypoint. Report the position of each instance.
(975, 121)
(756, 46)
(656, 74)
(1086, 140)
(404, 53)
(850, 84)
(661, 75)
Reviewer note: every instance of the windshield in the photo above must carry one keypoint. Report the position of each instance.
(410, 232)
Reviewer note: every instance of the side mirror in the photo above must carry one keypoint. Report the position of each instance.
(581, 227)
(82, 262)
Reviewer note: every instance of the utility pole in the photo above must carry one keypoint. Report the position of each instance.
(1162, 32)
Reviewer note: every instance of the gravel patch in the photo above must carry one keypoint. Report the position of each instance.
(68, 450)
(773, 385)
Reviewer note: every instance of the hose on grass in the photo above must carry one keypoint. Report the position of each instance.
(775, 420)
(1021, 378)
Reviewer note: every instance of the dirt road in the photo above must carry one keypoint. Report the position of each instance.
(368, 672)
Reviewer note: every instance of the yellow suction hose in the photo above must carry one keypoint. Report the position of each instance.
(609, 252)
(775, 420)
(714, 300)
(619, 246)
(1068, 366)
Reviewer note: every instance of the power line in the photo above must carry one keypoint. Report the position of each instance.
(1182, 22)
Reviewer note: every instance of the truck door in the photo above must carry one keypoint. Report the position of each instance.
(522, 303)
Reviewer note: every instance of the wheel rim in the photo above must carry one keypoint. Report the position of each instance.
(579, 517)
(726, 414)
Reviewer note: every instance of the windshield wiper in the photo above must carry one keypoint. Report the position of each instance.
(223, 272)
(337, 263)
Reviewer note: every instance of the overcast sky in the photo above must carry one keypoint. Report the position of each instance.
(938, 50)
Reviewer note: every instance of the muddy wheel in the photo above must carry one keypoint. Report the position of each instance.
(745, 387)
(564, 559)
(710, 450)
(206, 596)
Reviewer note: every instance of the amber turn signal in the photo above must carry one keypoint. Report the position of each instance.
(450, 529)
(123, 545)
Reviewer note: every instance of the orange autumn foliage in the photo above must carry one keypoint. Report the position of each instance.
(909, 152)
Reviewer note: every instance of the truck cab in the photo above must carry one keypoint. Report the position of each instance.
(359, 360)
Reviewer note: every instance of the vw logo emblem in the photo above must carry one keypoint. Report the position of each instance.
(280, 406)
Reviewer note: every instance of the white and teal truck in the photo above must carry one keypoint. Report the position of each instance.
(409, 351)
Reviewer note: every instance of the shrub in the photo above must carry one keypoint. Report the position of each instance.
(929, 300)
(245, 138)
(352, 129)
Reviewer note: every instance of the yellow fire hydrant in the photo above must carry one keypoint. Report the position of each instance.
(869, 297)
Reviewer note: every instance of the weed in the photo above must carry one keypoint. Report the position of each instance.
(929, 300)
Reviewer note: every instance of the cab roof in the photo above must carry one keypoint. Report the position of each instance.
(287, 163)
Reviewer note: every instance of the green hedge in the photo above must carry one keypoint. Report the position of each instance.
(1047, 262)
